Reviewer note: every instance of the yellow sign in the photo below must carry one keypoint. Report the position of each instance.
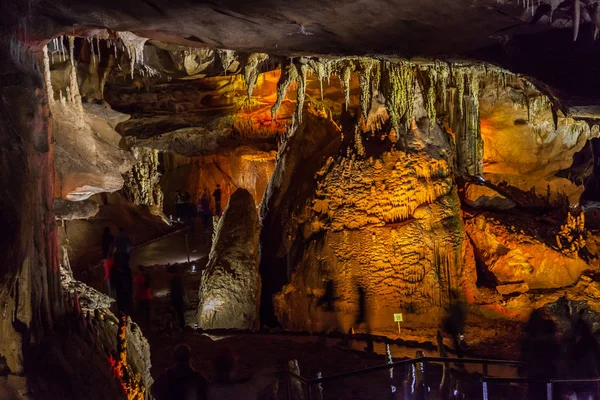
(397, 317)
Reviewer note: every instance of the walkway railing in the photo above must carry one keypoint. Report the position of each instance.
(310, 383)
(550, 384)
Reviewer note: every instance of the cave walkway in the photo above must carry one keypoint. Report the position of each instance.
(172, 249)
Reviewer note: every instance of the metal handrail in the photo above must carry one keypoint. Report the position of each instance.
(342, 375)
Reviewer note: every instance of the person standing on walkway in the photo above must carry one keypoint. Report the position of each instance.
(177, 296)
(109, 263)
(143, 294)
(107, 241)
(181, 382)
(178, 205)
(122, 271)
(206, 211)
(217, 196)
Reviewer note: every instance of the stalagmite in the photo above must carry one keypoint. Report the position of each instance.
(251, 70)
(288, 75)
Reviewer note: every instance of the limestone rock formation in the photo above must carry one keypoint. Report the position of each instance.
(387, 221)
(142, 182)
(522, 144)
(88, 159)
(479, 196)
(513, 255)
(230, 289)
(69, 210)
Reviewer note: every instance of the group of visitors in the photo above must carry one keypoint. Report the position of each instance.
(187, 209)
(116, 252)
(124, 287)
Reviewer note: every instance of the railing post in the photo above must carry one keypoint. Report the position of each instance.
(309, 386)
(549, 391)
(485, 369)
(485, 390)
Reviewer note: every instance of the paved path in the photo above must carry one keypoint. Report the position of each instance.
(171, 249)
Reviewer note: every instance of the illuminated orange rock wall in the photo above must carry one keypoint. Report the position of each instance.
(374, 217)
(242, 168)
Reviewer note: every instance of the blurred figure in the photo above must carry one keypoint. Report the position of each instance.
(179, 204)
(414, 385)
(143, 294)
(123, 247)
(328, 299)
(454, 323)
(362, 318)
(181, 381)
(540, 352)
(177, 296)
(206, 211)
(109, 263)
(108, 241)
(187, 207)
(217, 196)
(224, 364)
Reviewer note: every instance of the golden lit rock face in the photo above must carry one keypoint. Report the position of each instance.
(522, 145)
(242, 168)
(512, 255)
(386, 221)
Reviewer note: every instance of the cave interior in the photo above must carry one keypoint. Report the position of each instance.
(331, 186)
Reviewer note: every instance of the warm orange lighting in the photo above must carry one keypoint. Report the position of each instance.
(129, 382)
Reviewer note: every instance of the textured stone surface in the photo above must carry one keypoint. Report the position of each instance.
(511, 255)
(512, 288)
(479, 196)
(230, 289)
(242, 168)
(88, 159)
(522, 144)
(384, 220)
(70, 210)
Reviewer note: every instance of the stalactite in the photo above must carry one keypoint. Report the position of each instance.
(47, 80)
(301, 68)
(320, 69)
(135, 48)
(458, 77)
(365, 74)
(345, 68)
(398, 89)
(288, 75)
(227, 58)
(251, 70)
(576, 18)
(73, 88)
(429, 81)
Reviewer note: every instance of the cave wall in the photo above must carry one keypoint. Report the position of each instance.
(243, 167)
(366, 215)
(30, 287)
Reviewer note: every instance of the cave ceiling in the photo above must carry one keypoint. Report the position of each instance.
(530, 37)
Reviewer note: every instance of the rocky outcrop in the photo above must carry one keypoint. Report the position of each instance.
(479, 196)
(512, 255)
(373, 219)
(69, 210)
(523, 146)
(142, 182)
(244, 167)
(230, 289)
(88, 159)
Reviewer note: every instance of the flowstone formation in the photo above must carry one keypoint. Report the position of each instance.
(230, 290)
(376, 218)
(142, 182)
